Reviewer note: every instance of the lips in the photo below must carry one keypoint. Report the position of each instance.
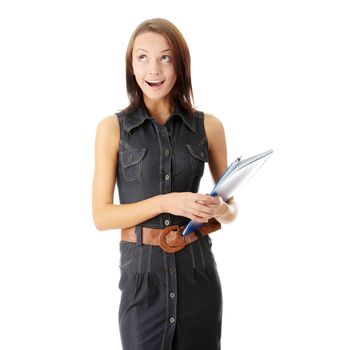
(155, 83)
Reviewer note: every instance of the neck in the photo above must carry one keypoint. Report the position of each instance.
(159, 110)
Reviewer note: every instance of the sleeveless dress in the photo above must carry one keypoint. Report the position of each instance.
(169, 301)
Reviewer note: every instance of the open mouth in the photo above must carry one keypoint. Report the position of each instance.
(154, 83)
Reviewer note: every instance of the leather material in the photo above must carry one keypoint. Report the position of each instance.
(170, 239)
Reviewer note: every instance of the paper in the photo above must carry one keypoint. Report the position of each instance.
(235, 175)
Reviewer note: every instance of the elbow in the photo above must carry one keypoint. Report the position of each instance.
(104, 219)
(103, 223)
(99, 224)
(100, 228)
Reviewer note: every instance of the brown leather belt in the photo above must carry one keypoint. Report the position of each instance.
(170, 239)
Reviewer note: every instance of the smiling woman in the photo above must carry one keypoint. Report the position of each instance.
(156, 149)
(158, 53)
(153, 69)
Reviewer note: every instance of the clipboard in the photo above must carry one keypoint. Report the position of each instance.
(235, 175)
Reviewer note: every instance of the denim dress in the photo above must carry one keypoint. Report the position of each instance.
(169, 301)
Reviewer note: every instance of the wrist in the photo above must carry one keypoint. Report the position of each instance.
(224, 208)
(160, 204)
(229, 213)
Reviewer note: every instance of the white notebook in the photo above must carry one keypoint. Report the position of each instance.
(237, 173)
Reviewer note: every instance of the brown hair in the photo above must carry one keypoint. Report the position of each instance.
(182, 93)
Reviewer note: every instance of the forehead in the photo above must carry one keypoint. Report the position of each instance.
(151, 42)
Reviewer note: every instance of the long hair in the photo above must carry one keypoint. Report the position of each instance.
(182, 93)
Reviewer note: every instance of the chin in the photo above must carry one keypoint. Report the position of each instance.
(156, 97)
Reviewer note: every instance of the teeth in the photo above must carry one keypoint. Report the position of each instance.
(154, 81)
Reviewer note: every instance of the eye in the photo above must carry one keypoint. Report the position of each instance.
(142, 58)
(166, 58)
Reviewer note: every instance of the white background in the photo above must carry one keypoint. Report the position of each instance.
(275, 72)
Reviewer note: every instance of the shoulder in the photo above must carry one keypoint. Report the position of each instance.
(108, 130)
(212, 122)
(108, 124)
(213, 127)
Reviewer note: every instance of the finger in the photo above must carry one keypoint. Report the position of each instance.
(198, 213)
(210, 208)
(203, 210)
(208, 200)
(197, 218)
(202, 197)
(194, 210)
(209, 204)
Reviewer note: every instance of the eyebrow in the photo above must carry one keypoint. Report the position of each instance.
(147, 51)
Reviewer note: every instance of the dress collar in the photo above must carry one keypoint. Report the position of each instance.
(137, 118)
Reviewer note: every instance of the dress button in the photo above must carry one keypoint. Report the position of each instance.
(172, 295)
(163, 133)
(166, 152)
(167, 222)
(172, 320)
(167, 177)
(171, 270)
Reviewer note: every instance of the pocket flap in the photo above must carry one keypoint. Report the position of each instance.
(198, 152)
(128, 158)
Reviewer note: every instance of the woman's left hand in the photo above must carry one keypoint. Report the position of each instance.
(220, 210)
(216, 206)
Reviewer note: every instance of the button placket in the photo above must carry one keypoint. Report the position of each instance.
(165, 166)
(171, 290)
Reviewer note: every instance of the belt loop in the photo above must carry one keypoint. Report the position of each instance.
(138, 233)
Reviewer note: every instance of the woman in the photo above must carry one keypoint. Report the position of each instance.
(155, 149)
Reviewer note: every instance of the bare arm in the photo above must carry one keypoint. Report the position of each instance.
(223, 212)
(107, 215)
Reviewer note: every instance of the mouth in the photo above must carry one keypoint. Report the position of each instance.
(155, 83)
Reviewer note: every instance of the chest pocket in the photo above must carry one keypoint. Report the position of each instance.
(198, 155)
(131, 163)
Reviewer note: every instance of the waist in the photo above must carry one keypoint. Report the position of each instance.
(169, 239)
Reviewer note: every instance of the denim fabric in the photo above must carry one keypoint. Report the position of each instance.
(169, 301)
(155, 159)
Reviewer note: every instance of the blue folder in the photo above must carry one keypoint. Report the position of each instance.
(238, 172)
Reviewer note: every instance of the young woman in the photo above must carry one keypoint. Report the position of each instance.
(156, 149)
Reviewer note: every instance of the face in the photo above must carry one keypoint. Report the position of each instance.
(153, 66)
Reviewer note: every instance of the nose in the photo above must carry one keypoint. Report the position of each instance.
(154, 69)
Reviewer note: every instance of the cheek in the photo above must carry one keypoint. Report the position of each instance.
(173, 81)
(172, 76)
(136, 69)
(138, 76)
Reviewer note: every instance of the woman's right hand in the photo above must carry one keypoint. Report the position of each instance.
(186, 204)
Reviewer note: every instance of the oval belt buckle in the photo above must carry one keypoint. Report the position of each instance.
(171, 239)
